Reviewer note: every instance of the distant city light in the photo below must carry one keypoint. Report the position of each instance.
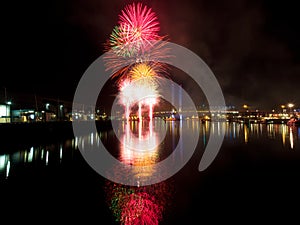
(290, 105)
(9, 103)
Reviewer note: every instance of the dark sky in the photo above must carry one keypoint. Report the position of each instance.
(253, 47)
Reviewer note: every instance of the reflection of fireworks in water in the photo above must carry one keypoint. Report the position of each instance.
(133, 47)
(135, 205)
(139, 151)
(138, 205)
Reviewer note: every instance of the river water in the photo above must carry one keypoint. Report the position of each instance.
(254, 177)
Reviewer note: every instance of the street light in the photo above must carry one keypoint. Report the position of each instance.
(283, 109)
(290, 105)
(246, 107)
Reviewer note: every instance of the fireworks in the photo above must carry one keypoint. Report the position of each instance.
(141, 21)
(138, 92)
(138, 25)
(143, 71)
(121, 45)
(136, 47)
(152, 57)
(134, 54)
(134, 40)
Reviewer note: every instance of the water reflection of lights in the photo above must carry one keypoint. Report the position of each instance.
(216, 127)
(5, 165)
(283, 133)
(30, 155)
(289, 133)
(141, 152)
(256, 129)
(2, 162)
(280, 132)
(138, 205)
(60, 152)
(291, 138)
(132, 205)
(271, 130)
(147, 140)
(7, 168)
(47, 157)
(86, 141)
(246, 133)
(37, 156)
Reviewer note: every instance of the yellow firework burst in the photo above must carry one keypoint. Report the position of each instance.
(142, 71)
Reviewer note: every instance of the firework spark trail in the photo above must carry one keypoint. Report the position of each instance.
(150, 111)
(133, 47)
(138, 92)
(136, 47)
(134, 40)
(140, 25)
(134, 91)
(152, 57)
(126, 98)
(140, 113)
(145, 75)
(142, 70)
(150, 101)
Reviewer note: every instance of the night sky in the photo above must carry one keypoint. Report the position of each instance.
(253, 47)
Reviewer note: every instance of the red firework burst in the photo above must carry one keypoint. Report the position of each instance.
(139, 23)
(138, 26)
(135, 40)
